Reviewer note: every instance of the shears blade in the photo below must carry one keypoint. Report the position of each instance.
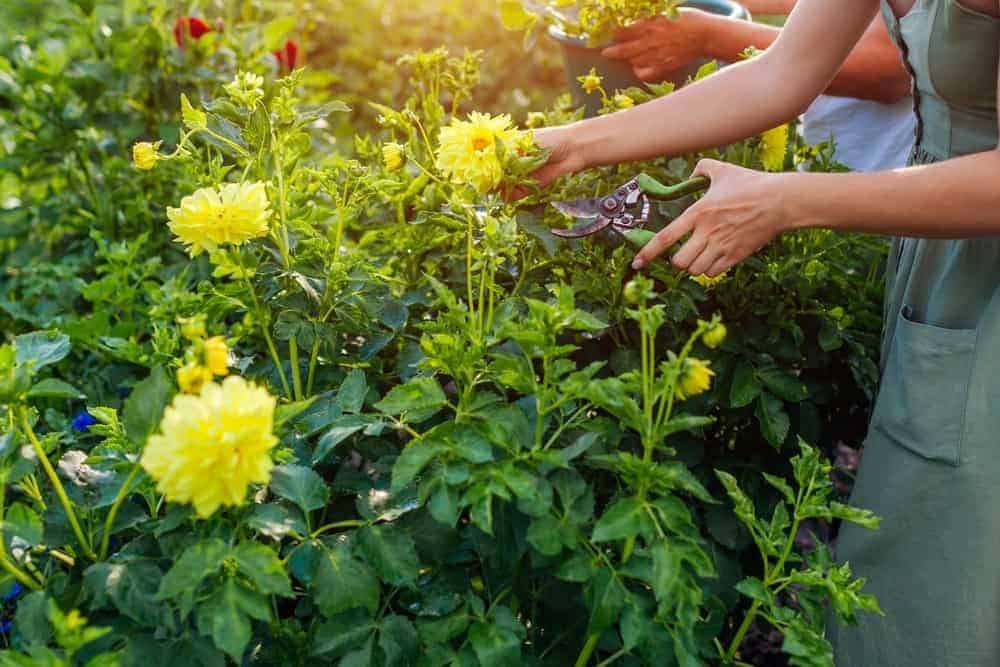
(580, 209)
(586, 229)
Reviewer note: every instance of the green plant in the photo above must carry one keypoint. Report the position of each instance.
(595, 20)
(493, 447)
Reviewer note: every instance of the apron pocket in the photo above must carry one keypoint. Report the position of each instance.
(925, 388)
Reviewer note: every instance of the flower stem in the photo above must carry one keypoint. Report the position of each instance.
(50, 472)
(352, 523)
(293, 359)
(265, 330)
(115, 506)
(587, 650)
(5, 562)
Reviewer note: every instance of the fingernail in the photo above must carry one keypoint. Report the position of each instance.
(637, 263)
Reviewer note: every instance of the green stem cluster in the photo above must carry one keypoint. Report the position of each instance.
(57, 484)
(774, 575)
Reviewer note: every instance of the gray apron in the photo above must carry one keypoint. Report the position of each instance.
(931, 465)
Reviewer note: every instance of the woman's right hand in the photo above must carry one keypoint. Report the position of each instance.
(565, 158)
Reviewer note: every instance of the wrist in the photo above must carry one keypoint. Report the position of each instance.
(795, 210)
(589, 140)
(706, 27)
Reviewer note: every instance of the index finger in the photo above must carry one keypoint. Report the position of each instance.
(665, 238)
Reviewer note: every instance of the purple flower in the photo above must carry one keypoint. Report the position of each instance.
(5, 626)
(82, 422)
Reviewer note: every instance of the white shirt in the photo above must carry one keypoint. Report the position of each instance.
(869, 136)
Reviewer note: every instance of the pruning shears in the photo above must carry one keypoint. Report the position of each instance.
(625, 209)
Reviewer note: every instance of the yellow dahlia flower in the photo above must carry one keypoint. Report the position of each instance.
(715, 335)
(773, 145)
(590, 82)
(468, 149)
(146, 155)
(217, 355)
(192, 377)
(233, 213)
(696, 378)
(393, 156)
(211, 447)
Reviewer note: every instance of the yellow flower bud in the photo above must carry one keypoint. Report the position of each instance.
(192, 328)
(192, 377)
(217, 355)
(393, 156)
(145, 155)
(714, 336)
(623, 101)
(709, 283)
(695, 378)
(590, 82)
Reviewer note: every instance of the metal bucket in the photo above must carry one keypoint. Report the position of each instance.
(579, 58)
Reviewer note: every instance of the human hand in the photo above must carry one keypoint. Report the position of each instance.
(564, 157)
(658, 47)
(742, 211)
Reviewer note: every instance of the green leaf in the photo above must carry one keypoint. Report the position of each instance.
(52, 388)
(782, 486)
(131, 588)
(301, 485)
(755, 589)
(862, 517)
(624, 518)
(289, 411)
(276, 521)
(419, 399)
(276, 31)
(261, 565)
(391, 552)
(31, 624)
(41, 348)
(144, 407)
(343, 582)
(343, 632)
(606, 596)
(545, 534)
(745, 387)
(398, 640)
(724, 526)
(639, 238)
(351, 395)
(24, 523)
(194, 119)
(226, 617)
(773, 420)
(199, 561)
(683, 422)
(495, 646)
(783, 385)
(411, 461)
(341, 429)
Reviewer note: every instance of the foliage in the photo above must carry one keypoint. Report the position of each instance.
(595, 20)
(493, 447)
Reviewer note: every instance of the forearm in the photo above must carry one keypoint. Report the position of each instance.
(873, 70)
(951, 200)
(769, 7)
(697, 117)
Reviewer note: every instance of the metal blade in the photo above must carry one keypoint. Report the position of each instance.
(581, 208)
(580, 231)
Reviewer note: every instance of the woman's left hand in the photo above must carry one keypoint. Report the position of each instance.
(742, 211)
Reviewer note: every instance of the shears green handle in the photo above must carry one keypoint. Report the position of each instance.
(656, 190)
